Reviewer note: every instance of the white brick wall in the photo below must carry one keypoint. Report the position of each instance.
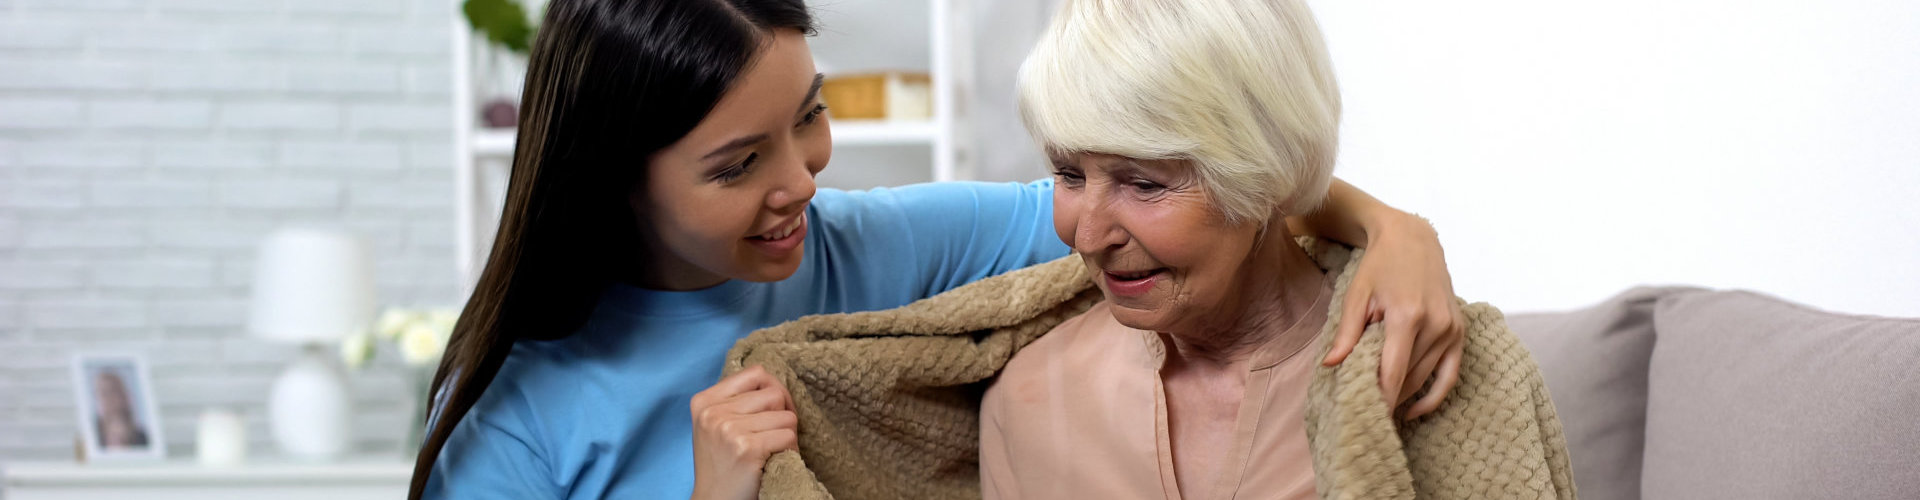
(147, 145)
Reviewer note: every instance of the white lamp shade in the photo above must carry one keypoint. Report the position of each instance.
(311, 285)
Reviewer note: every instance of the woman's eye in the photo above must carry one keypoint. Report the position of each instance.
(813, 115)
(737, 170)
(1148, 186)
(1068, 176)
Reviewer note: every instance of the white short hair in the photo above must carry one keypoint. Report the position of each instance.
(1241, 88)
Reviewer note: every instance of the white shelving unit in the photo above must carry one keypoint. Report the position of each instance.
(883, 133)
(483, 157)
(492, 143)
(181, 478)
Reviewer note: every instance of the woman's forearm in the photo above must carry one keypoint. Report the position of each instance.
(1348, 216)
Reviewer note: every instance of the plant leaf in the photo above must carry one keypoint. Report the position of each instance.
(503, 22)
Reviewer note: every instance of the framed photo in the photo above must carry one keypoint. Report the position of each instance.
(118, 417)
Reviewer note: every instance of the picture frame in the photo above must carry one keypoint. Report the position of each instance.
(115, 410)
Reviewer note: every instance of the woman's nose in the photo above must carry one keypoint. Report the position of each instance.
(793, 186)
(1097, 230)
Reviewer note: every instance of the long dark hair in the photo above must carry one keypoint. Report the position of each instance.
(609, 83)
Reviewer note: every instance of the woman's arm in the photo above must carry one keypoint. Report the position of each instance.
(1403, 282)
(492, 460)
(1346, 216)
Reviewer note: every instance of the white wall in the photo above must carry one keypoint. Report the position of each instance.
(145, 148)
(1567, 150)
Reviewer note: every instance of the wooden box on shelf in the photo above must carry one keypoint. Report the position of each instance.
(880, 96)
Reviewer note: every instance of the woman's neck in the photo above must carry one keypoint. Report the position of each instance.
(675, 279)
(662, 269)
(1278, 286)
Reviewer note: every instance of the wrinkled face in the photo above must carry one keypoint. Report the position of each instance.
(728, 200)
(1163, 254)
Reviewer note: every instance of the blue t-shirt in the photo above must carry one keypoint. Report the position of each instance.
(604, 413)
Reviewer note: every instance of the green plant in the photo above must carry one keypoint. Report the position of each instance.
(504, 22)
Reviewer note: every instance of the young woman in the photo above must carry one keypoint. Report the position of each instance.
(662, 206)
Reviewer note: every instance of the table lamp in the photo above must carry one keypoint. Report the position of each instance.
(311, 287)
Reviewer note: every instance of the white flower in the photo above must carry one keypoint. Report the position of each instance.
(356, 350)
(442, 321)
(395, 321)
(420, 344)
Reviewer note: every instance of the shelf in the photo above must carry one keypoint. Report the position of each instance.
(498, 143)
(186, 472)
(882, 133)
(933, 36)
(493, 142)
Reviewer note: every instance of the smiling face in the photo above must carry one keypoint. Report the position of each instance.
(728, 201)
(1161, 251)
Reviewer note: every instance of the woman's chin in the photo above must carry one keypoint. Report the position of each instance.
(1139, 319)
(768, 272)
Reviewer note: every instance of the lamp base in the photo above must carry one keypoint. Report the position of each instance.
(309, 408)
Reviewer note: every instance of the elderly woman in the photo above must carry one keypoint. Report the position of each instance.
(1179, 132)
(1177, 354)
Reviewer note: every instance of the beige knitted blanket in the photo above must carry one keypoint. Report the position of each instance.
(889, 400)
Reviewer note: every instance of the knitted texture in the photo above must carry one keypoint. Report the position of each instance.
(889, 401)
(1496, 436)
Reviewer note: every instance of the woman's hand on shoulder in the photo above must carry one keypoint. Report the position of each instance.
(737, 424)
(1403, 282)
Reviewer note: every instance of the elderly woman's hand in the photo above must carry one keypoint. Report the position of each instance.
(1403, 281)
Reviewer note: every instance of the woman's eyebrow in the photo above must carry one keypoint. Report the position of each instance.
(1162, 167)
(1129, 165)
(736, 144)
(730, 146)
(812, 92)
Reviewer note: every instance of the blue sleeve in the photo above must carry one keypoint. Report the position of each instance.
(484, 459)
(923, 239)
(967, 231)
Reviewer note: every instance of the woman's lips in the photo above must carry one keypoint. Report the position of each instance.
(780, 247)
(1132, 283)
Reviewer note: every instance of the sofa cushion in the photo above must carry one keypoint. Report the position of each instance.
(1595, 364)
(1755, 397)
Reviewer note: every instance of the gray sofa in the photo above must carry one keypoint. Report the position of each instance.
(1687, 393)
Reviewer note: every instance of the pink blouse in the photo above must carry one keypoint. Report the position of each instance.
(1081, 413)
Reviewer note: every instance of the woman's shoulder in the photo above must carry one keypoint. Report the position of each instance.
(1069, 340)
(536, 378)
(1483, 319)
(518, 386)
(535, 375)
(869, 216)
(936, 198)
(1485, 331)
(1507, 373)
(1085, 345)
